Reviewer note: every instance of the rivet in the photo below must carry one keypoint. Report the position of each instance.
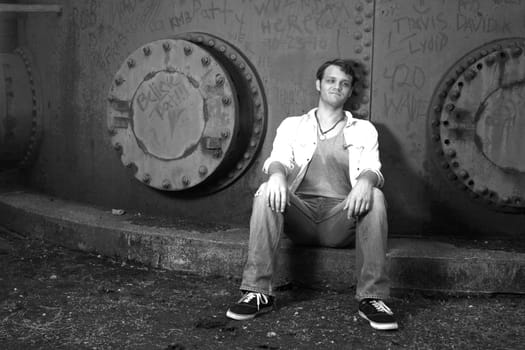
(242, 66)
(200, 39)
(359, 6)
(358, 49)
(226, 100)
(205, 60)
(366, 58)
(470, 74)
(443, 94)
(369, 14)
(358, 35)
(211, 43)
(450, 82)
(166, 184)
(503, 56)
(217, 153)
(445, 165)
(517, 201)
(146, 50)
(367, 43)
(257, 130)
(188, 50)
(463, 174)
(450, 107)
(248, 77)
(222, 49)
(203, 170)
(454, 95)
(225, 134)
(451, 153)
(254, 90)
(119, 80)
(471, 60)
(516, 51)
(240, 166)
(131, 63)
(230, 175)
(505, 200)
(483, 190)
(146, 178)
(436, 137)
(112, 131)
(253, 143)
(247, 155)
(359, 20)
(233, 57)
(437, 108)
(185, 180)
(219, 80)
(490, 60)
(166, 46)
(484, 53)
(367, 29)
(365, 99)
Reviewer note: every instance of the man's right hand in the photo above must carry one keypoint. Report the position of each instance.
(277, 192)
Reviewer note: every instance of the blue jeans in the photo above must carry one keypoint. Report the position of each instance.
(319, 221)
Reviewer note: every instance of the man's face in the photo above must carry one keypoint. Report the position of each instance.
(335, 87)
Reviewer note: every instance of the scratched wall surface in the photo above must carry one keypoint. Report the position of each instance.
(407, 46)
(79, 52)
(415, 44)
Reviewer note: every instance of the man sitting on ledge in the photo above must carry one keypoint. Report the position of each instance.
(323, 185)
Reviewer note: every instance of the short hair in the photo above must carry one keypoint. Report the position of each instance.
(345, 65)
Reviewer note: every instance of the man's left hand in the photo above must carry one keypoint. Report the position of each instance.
(359, 200)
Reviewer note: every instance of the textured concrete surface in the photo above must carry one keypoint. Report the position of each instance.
(415, 264)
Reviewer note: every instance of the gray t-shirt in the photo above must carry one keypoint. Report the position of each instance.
(327, 174)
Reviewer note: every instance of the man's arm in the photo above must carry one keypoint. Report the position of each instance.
(277, 189)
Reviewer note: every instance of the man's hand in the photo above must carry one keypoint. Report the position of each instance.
(276, 188)
(359, 200)
(277, 192)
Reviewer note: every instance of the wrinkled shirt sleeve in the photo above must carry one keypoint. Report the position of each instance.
(282, 150)
(370, 156)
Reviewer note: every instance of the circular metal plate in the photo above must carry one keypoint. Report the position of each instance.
(172, 111)
(479, 121)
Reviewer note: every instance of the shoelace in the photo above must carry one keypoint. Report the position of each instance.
(259, 296)
(381, 307)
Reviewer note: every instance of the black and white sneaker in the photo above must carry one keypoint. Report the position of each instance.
(378, 314)
(250, 305)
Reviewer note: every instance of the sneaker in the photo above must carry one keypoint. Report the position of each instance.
(378, 314)
(250, 305)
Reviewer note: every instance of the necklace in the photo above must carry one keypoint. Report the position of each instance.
(323, 133)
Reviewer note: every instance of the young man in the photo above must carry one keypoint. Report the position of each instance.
(324, 175)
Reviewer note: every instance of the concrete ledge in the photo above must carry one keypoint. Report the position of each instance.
(414, 264)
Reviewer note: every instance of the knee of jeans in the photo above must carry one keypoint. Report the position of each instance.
(259, 195)
(378, 198)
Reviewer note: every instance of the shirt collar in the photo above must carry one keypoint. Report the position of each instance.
(350, 120)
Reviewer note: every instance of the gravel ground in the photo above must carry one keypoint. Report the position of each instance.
(54, 298)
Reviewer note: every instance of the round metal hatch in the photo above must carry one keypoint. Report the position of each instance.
(187, 115)
(479, 121)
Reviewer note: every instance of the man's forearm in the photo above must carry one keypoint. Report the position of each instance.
(370, 176)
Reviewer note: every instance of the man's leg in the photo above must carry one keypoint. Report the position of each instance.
(373, 285)
(371, 247)
(266, 227)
